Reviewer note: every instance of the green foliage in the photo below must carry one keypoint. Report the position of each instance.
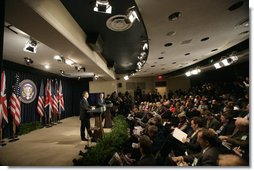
(28, 127)
(108, 145)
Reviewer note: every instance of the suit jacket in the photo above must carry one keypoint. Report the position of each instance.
(147, 160)
(100, 102)
(208, 158)
(84, 107)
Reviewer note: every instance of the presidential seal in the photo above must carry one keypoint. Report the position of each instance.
(28, 91)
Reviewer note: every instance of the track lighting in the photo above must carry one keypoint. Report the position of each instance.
(30, 46)
(28, 61)
(102, 6)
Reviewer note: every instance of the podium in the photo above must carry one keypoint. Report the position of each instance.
(97, 130)
(108, 120)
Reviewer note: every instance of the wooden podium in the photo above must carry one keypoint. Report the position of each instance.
(108, 119)
(97, 129)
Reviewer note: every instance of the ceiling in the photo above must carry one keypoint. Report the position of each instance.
(205, 28)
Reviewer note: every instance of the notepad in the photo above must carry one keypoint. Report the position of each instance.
(179, 134)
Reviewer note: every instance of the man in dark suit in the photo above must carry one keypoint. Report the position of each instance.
(84, 116)
(145, 146)
(208, 156)
(101, 100)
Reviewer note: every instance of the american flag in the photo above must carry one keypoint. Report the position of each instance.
(55, 99)
(15, 102)
(60, 97)
(3, 102)
(41, 100)
(48, 99)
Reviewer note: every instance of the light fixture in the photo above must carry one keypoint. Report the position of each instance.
(145, 46)
(126, 77)
(188, 73)
(102, 6)
(28, 61)
(69, 62)
(131, 15)
(226, 61)
(195, 71)
(192, 72)
(96, 76)
(218, 65)
(58, 58)
(46, 66)
(30, 46)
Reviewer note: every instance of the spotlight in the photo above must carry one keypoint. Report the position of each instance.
(96, 76)
(58, 58)
(62, 72)
(126, 77)
(28, 61)
(218, 65)
(131, 15)
(69, 62)
(103, 6)
(30, 46)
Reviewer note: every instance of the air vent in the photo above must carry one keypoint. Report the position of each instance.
(118, 23)
(186, 41)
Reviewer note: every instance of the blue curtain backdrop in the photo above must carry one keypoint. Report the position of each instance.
(72, 91)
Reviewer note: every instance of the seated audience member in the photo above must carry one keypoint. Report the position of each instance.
(240, 136)
(145, 147)
(183, 122)
(231, 160)
(227, 125)
(211, 122)
(207, 157)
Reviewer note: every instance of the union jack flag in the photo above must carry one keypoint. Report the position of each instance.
(3, 102)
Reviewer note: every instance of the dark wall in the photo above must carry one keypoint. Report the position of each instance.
(230, 73)
(72, 92)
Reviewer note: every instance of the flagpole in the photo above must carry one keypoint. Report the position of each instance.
(1, 137)
(14, 129)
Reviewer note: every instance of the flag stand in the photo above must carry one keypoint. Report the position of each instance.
(59, 117)
(14, 137)
(2, 143)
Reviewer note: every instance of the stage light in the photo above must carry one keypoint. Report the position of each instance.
(188, 73)
(28, 61)
(131, 15)
(218, 65)
(58, 58)
(126, 77)
(46, 66)
(103, 6)
(69, 62)
(30, 46)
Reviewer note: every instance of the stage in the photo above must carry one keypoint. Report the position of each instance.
(53, 146)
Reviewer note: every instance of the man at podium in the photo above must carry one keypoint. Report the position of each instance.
(85, 116)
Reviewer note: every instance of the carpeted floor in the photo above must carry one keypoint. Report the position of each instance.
(53, 146)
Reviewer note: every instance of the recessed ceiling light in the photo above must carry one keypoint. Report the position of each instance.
(174, 16)
(195, 59)
(235, 6)
(244, 32)
(171, 33)
(160, 57)
(153, 66)
(186, 54)
(204, 39)
(46, 66)
(173, 62)
(214, 50)
(168, 44)
(186, 41)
